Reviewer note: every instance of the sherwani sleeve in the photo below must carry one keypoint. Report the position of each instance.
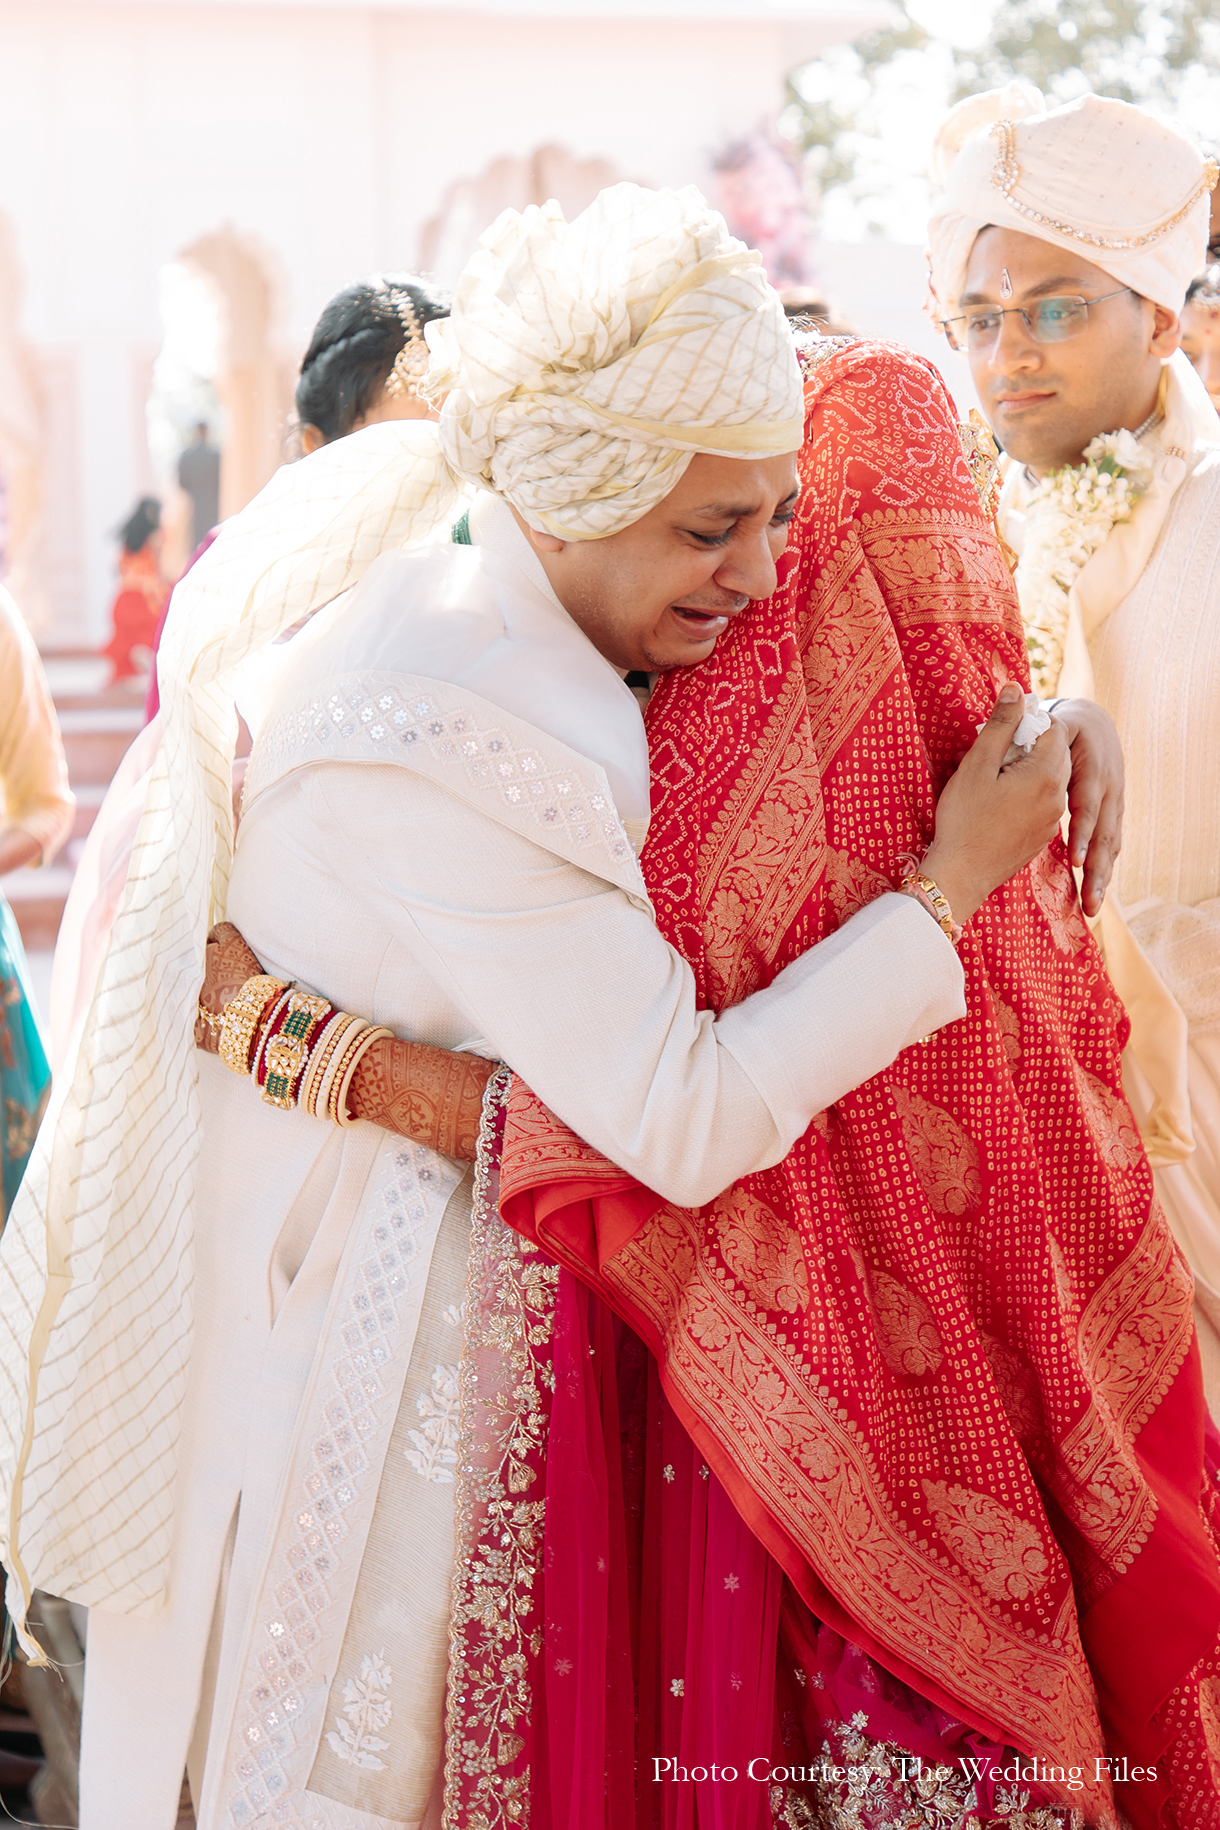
(570, 982)
(33, 770)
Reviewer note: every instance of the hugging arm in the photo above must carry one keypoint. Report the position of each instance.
(571, 983)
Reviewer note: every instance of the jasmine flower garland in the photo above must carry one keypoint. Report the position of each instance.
(1070, 515)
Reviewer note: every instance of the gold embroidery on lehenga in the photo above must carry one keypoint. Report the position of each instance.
(495, 1631)
(851, 652)
(851, 883)
(937, 580)
(760, 862)
(1138, 1328)
(1132, 1339)
(883, 1787)
(1101, 1489)
(1055, 894)
(1009, 1025)
(1209, 1717)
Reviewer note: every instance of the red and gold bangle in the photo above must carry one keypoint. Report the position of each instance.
(351, 1062)
(242, 1016)
(286, 1051)
(273, 1016)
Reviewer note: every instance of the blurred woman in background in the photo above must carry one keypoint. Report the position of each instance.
(142, 592)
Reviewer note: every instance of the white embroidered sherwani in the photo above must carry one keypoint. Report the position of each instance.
(439, 832)
(1144, 641)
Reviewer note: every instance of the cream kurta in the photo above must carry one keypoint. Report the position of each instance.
(1144, 640)
(394, 852)
(1156, 664)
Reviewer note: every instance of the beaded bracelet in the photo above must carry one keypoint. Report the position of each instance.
(346, 1032)
(242, 1016)
(324, 1044)
(352, 1061)
(351, 1045)
(928, 893)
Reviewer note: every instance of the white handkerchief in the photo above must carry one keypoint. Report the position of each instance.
(1033, 723)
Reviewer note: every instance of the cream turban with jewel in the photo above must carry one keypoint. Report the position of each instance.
(1098, 177)
(585, 363)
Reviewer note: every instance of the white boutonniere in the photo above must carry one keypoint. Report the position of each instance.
(1070, 515)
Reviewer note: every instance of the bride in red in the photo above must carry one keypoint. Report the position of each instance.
(941, 1359)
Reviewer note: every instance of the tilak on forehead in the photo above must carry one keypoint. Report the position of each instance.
(1098, 177)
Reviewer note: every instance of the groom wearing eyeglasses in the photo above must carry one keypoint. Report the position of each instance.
(1061, 254)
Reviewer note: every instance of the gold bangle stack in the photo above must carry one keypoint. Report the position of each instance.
(311, 1058)
(271, 1015)
(241, 1020)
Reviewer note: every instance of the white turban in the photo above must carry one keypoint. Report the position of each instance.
(585, 363)
(1097, 177)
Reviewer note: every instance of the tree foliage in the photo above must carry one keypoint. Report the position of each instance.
(1131, 49)
(826, 113)
(1137, 50)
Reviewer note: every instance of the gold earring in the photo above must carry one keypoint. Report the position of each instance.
(412, 359)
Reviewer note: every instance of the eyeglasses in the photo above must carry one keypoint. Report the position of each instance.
(1046, 320)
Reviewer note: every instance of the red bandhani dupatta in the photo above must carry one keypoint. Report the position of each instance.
(941, 1357)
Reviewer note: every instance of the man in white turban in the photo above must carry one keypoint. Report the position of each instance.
(230, 1333)
(1061, 255)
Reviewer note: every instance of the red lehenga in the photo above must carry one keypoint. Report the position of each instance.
(940, 1361)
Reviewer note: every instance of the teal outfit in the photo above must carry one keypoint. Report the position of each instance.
(25, 1075)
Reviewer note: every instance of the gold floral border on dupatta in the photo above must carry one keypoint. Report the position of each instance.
(495, 1634)
(731, 1369)
(820, 1482)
